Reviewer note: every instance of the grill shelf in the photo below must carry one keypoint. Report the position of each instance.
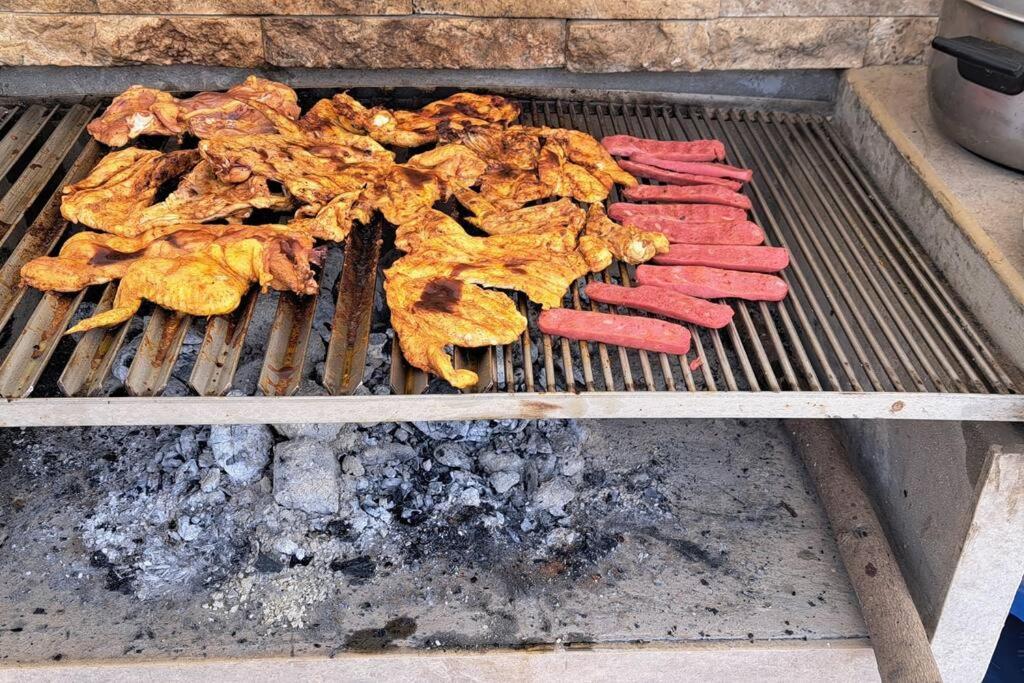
(870, 329)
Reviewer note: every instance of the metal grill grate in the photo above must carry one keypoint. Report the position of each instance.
(867, 312)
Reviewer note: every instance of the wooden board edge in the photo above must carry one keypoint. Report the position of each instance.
(194, 410)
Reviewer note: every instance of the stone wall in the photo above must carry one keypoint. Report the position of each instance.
(580, 35)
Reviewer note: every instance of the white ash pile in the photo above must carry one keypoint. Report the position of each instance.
(266, 517)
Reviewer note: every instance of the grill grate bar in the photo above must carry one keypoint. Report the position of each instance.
(353, 311)
(943, 300)
(17, 200)
(286, 349)
(22, 133)
(44, 233)
(221, 349)
(158, 351)
(770, 224)
(35, 345)
(804, 284)
(887, 296)
(830, 259)
(94, 355)
(863, 230)
(866, 309)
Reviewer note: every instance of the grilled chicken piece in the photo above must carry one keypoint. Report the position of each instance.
(116, 197)
(466, 109)
(493, 220)
(566, 178)
(627, 243)
(542, 265)
(242, 109)
(121, 187)
(409, 128)
(433, 312)
(93, 258)
(451, 165)
(582, 149)
(313, 170)
(504, 149)
(212, 279)
(435, 296)
(201, 197)
(398, 128)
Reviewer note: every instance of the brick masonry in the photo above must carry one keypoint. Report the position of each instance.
(580, 35)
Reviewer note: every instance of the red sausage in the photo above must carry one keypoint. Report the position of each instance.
(700, 194)
(700, 232)
(663, 302)
(714, 283)
(694, 150)
(619, 211)
(673, 178)
(730, 256)
(696, 167)
(634, 332)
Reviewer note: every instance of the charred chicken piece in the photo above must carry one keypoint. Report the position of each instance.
(431, 313)
(313, 170)
(435, 291)
(242, 109)
(493, 220)
(401, 128)
(116, 197)
(542, 265)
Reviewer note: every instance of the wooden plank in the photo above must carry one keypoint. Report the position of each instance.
(36, 343)
(894, 625)
(353, 312)
(816, 661)
(221, 349)
(497, 405)
(95, 353)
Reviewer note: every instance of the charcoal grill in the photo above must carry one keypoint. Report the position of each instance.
(870, 329)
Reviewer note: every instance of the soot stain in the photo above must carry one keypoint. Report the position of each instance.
(374, 639)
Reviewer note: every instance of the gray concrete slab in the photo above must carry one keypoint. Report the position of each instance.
(688, 532)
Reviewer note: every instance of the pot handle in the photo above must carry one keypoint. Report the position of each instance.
(988, 64)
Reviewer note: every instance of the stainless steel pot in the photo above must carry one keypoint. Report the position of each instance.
(976, 77)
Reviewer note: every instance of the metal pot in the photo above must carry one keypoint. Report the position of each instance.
(976, 77)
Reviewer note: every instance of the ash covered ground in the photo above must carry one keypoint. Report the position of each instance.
(306, 538)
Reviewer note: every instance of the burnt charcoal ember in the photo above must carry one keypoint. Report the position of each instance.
(359, 569)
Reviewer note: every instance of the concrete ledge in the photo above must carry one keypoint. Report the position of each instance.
(966, 212)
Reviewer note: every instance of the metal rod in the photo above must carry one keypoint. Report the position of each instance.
(944, 303)
(895, 343)
(768, 221)
(805, 233)
(684, 128)
(846, 227)
(771, 181)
